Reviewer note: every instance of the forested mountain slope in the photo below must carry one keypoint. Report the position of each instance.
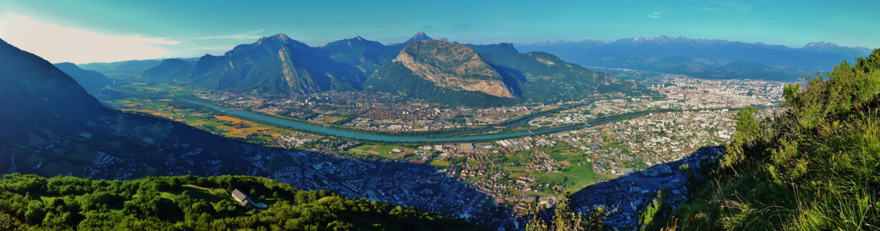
(29, 202)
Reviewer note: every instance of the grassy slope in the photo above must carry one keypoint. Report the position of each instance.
(815, 167)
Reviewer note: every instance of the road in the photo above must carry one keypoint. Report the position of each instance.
(509, 216)
(132, 155)
(369, 185)
(13, 168)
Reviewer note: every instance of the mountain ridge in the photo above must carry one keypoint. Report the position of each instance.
(786, 63)
(281, 65)
(518, 77)
(88, 79)
(274, 65)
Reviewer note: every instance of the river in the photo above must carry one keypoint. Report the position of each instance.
(356, 135)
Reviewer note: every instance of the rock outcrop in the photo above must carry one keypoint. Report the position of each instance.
(454, 66)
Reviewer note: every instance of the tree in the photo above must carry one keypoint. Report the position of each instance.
(8, 222)
(655, 213)
(566, 220)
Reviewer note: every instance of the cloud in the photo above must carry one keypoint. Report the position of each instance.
(656, 14)
(62, 44)
(426, 27)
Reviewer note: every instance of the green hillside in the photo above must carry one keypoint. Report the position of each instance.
(170, 69)
(30, 202)
(364, 54)
(815, 166)
(543, 77)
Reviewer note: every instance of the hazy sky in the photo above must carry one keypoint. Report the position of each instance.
(112, 30)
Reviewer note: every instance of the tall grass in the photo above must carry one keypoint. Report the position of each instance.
(815, 167)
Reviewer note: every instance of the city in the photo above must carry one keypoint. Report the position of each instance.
(492, 179)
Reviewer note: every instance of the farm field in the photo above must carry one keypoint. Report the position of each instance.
(362, 149)
(440, 163)
(160, 88)
(195, 116)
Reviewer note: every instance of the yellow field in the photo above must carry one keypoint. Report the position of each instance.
(230, 119)
(148, 112)
(160, 107)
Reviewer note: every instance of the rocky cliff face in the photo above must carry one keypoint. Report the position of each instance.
(296, 80)
(273, 65)
(453, 66)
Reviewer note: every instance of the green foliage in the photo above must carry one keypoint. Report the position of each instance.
(566, 220)
(543, 77)
(30, 202)
(364, 54)
(815, 167)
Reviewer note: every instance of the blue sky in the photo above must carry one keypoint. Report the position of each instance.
(103, 30)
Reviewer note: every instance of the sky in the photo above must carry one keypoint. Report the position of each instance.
(110, 30)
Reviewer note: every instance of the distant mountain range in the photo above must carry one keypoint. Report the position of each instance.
(433, 69)
(449, 73)
(703, 58)
(88, 79)
(126, 69)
